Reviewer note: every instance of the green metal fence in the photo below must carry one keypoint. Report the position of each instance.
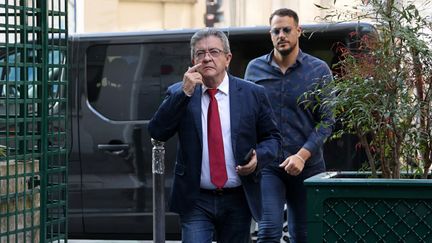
(350, 207)
(33, 103)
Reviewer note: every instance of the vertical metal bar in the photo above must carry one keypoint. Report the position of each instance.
(42, 39)
(62, 82)
(23, 112)
(35, 153)
(158, 167)
(17, 114)
(21, 83)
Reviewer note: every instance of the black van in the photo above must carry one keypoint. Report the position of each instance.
(116, 83)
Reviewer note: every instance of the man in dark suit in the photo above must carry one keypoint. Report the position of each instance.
(218, 119)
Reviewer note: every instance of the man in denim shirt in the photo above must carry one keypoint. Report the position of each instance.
(287, 73)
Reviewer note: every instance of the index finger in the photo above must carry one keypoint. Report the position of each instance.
(284, 163)
(194, 68)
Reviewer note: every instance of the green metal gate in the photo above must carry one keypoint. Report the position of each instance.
(33, 108)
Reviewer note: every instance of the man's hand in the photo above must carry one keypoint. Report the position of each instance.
(293, 165)
(248, 168)
(190, 79)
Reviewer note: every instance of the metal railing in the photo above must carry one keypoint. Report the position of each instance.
(33, 102)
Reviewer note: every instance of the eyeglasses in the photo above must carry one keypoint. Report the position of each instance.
(214, 52)
(285, 30)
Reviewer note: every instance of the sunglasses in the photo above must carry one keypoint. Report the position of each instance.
(285, 30)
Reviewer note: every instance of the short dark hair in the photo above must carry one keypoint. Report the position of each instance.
(207, 32)
(285, 12)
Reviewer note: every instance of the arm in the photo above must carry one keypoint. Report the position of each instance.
(268, 138)
(164, 123)
(324, 121)
(268, 135)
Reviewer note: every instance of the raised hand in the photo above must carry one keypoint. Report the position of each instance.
(191, 78)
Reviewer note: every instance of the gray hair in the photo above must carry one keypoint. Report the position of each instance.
(207, 32)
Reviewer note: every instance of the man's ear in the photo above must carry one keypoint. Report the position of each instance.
(193, 62)
(299, 30)
(228, 57)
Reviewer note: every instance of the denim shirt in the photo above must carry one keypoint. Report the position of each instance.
(300, 126)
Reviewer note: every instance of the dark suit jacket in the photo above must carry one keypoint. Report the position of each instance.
(252, 126)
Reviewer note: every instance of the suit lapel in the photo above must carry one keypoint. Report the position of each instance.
(195, 106)
(235, 109)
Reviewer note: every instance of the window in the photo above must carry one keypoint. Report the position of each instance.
(19, 78)
(128, 82)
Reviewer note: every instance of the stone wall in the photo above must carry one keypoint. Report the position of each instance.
(19, 201)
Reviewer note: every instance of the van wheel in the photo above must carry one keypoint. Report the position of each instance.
(285, 233)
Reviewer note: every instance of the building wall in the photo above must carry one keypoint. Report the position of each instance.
(257, 12)
(137, 15)
(133, 15)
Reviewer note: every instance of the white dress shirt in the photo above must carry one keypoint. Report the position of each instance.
(222, 97)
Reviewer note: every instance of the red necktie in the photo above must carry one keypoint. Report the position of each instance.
(218, 172)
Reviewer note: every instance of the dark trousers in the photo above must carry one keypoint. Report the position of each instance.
(278, 188)
(227, 215)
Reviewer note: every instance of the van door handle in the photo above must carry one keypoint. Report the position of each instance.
(114, 148)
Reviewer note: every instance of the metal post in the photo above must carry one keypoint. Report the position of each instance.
(158, 167)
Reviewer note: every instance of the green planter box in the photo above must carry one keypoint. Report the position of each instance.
(350, 207)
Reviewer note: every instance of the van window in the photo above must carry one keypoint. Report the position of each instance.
(14, 69)
(21, 93)
(127, 82)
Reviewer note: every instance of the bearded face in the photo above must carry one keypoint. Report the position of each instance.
(284, 34)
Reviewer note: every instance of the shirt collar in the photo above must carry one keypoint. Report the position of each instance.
(299, 59)
(223, 87)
